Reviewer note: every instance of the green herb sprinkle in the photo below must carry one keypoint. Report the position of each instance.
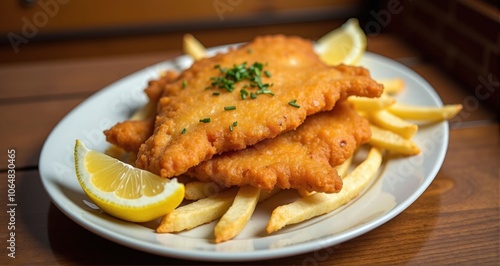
(294, 103)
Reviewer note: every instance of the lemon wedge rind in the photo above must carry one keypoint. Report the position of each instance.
(165, 196)
(345, 44)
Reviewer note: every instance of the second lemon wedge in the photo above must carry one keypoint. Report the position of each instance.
(343, 45)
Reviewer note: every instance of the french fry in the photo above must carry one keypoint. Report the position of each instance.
(197, 213)
(199, 190)
(391, 141)
(389, 121)
(365, 104)
(184, 179)
(392, 86)
(193, 47)
(304, 193)
(321, 203)
(121, 154)
(344, 167)
(431, 114)
(267, 194)
(196, 190)
(147, 110)
(237, 216)
(341, 170)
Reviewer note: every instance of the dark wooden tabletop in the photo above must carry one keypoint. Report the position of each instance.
(455, 221)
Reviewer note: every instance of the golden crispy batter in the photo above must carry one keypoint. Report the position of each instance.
(155, 87)
(303, 158)
(181, 140)
(131, 134)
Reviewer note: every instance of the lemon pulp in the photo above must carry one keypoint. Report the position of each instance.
(122, 190)
(343, 45)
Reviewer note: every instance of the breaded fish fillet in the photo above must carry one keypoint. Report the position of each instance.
(131, 134)
(304, 158)
(196, 119)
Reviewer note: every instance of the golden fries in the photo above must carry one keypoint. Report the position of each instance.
(389, 121)
(267, 194)
(305, 193)
(370, 104)
(391, 141)
(197, 213)
(147, 111)
(344, 167)
(392, 86)
(321, 203)
(193, 47)
(235, 219)
(430, 114)
(198, 190)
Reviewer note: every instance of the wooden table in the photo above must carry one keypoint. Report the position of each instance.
(455, 221)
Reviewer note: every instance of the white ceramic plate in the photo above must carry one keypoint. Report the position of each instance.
(400, 182)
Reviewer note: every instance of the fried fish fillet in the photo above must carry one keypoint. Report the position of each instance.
(193, 123)
(131, 134)
(304, 158)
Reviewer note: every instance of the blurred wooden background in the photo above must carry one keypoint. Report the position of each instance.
(48, 29)
(54, 54)
(462, 36)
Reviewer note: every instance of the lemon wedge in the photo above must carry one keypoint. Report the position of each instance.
(343, 45)
(122, 190)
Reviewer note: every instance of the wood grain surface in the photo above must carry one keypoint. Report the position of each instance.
(455, 221)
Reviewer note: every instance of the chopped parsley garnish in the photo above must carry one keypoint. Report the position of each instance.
(243, 94)
(184, 84)
(242, 72)
(264, 91)
(249, 75)
(231, 127)
(294, 103)
(183, 131)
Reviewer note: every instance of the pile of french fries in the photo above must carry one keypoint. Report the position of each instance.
(233, 207)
